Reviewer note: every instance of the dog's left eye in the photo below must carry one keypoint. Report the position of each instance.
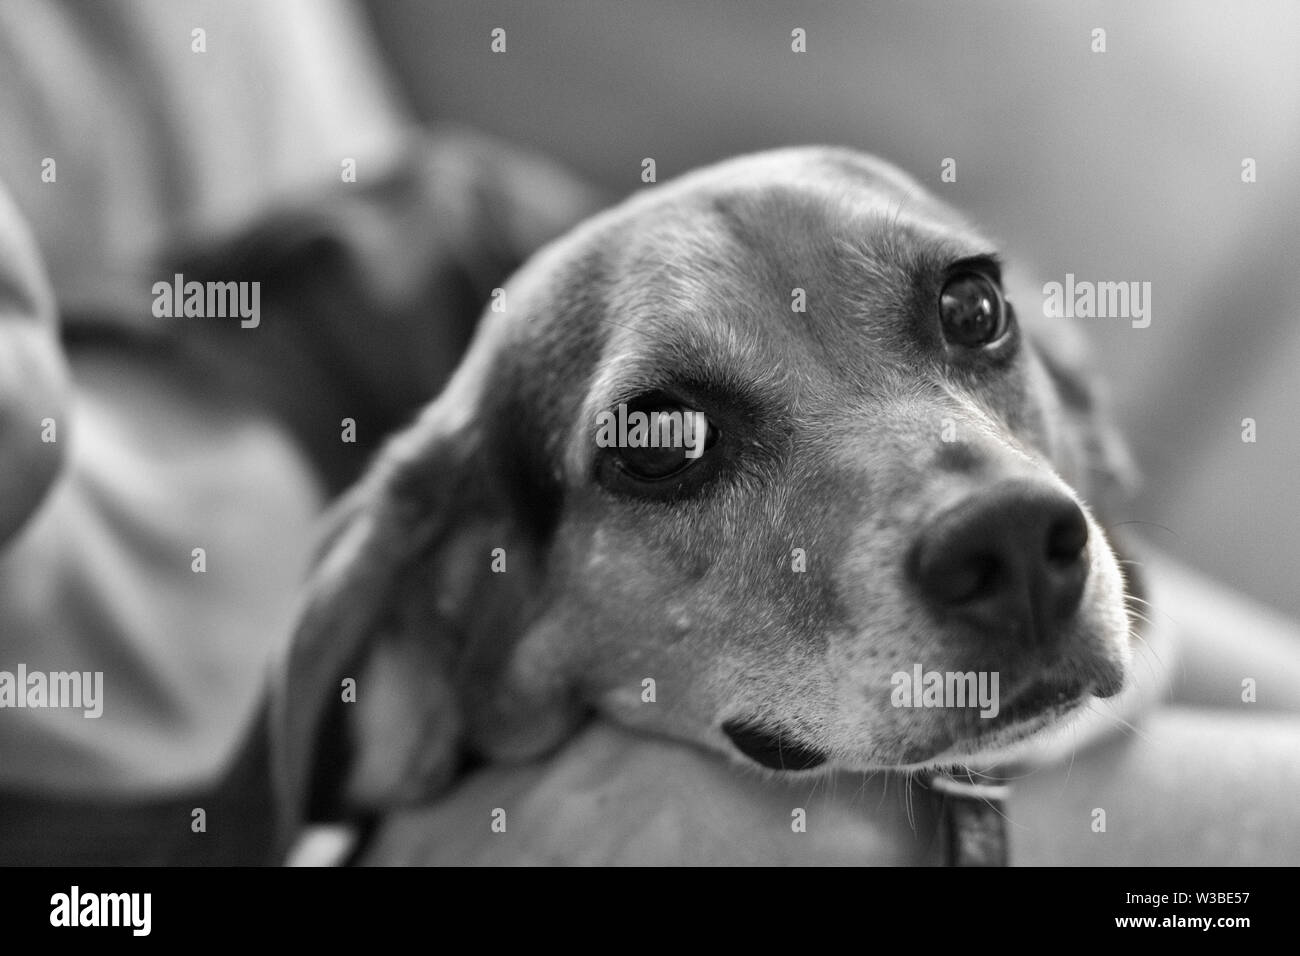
(972, 311)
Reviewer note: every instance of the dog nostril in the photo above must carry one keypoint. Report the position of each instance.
(1067, 537)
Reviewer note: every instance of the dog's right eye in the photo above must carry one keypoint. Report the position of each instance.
(649, 444)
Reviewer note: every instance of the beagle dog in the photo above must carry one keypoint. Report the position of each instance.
(894, 471)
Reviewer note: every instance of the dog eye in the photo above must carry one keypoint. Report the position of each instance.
(971, 310)
(652, 439)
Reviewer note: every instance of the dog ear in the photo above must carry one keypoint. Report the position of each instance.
(1109, 476)
(1088, 447)
(1089, 450)
(368, 714)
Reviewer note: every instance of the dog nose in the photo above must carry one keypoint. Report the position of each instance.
(1010, 560)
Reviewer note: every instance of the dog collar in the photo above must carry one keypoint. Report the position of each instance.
(972, 821)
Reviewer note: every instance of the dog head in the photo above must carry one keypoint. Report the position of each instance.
(878, 468)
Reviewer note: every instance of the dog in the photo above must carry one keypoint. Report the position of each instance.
(900, 472)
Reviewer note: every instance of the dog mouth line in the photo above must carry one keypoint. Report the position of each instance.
(1036, 707)
(1039, 699)
(777, 748)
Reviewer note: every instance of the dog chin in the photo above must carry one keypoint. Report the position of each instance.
(1004, 741)
(1013, 733)
(1036, 710)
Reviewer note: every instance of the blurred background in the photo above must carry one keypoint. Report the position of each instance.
(174, 124)
(1123, 165)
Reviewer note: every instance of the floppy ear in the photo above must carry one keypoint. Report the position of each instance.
(1106, 474)
(404, 612)
(1093, 455)
(1087, 446)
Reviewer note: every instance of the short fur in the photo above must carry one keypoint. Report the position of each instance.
(833, 420)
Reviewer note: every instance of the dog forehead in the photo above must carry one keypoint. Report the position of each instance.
(790, 218)
(828, 188)
(737, 230)
(813, 166)
(749, 243)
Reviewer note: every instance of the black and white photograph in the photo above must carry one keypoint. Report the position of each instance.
(650, 433)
